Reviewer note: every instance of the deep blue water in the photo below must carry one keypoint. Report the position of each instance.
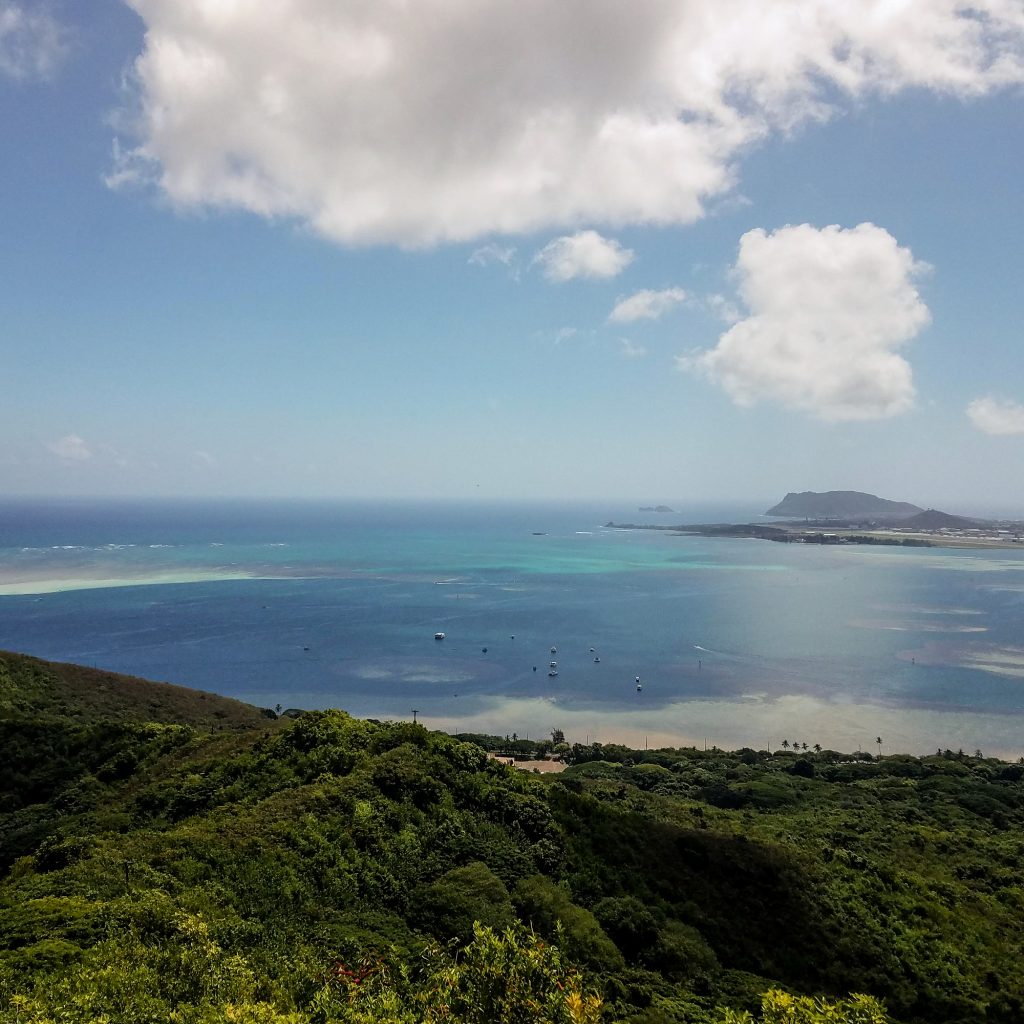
(741, 641)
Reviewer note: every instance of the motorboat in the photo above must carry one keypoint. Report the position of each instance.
(439, 636)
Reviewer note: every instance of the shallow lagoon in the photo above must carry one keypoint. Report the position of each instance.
(736, 641)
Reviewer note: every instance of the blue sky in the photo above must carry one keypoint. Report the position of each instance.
(704, 251)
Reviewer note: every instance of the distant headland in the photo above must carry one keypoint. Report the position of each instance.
(841, 505)
(855, 517)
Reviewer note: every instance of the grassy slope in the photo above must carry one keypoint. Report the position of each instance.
(31, 687)
(70, 734)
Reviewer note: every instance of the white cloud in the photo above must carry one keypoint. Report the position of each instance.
(493, 253)
(998, 416)
(631, 350)
(647, 305)
(497, 255)
(722, 308)
(206, 459)
(585, 254)
(72, 447)
(828, 308)
(438, 121)
(32, 42)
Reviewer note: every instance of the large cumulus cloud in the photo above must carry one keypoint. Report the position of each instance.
(385, 121)
(828, 310)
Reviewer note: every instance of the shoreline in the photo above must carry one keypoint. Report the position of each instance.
(782, 533)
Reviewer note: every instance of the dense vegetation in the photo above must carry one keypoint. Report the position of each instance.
(180, 857)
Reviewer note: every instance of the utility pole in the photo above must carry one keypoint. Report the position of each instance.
(415, 712)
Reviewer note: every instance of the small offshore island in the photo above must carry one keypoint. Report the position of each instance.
(855, 517)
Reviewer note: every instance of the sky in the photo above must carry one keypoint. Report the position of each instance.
(670, 250)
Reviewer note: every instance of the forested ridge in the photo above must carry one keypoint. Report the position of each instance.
(169, 855)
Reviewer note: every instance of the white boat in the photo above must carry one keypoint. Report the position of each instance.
(552, 664)
(552, 671)
(554, 650)
(638, 686)
(439, 636)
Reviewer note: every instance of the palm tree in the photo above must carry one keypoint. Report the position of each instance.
(817, 748)
(785, 744)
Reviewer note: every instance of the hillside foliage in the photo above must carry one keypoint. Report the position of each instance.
(330, 869)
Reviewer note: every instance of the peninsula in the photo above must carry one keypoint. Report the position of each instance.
(855, 517)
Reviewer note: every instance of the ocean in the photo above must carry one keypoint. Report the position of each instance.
(737, 642)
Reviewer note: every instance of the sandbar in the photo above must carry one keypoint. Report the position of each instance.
(20, 585)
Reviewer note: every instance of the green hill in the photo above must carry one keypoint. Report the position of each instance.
(841, 505)
(932, 519)
(327, 869)
(31, 687)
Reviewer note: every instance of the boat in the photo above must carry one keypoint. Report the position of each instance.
(552, 664)
(554, 650)
(597, 660)
(552, 671)
(439, 636)
(638, 686)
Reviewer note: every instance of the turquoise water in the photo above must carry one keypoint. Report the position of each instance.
(739, 641)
